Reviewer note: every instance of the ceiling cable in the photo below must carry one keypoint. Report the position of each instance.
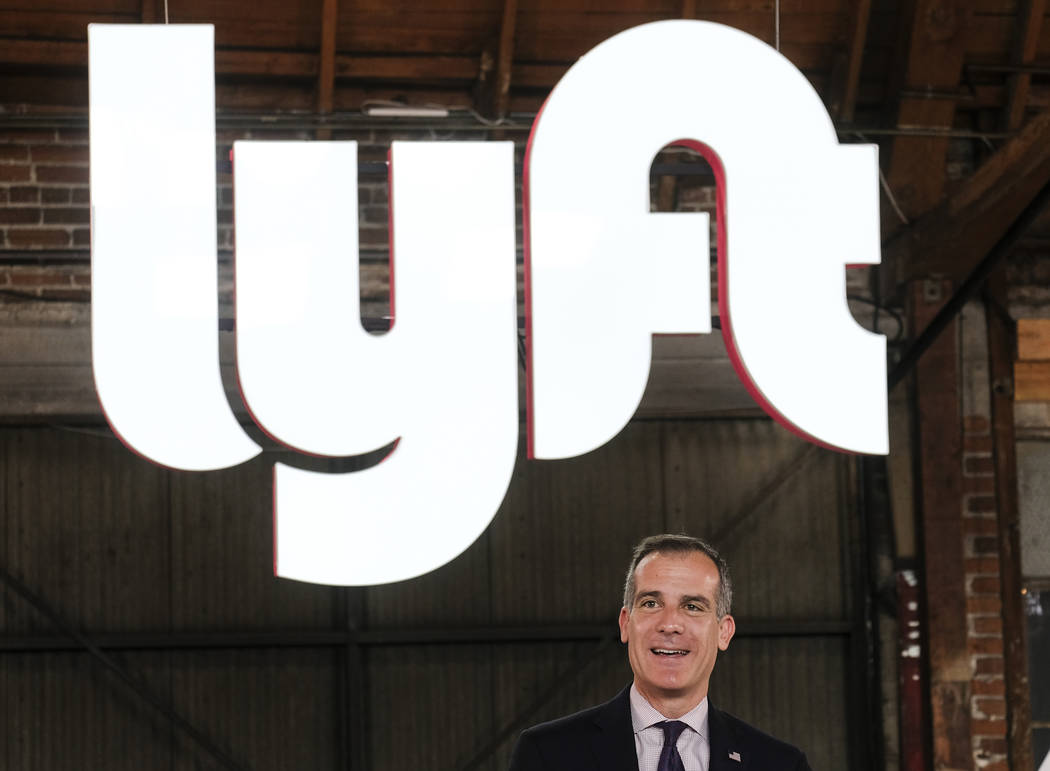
(776, 23)
(166, 11)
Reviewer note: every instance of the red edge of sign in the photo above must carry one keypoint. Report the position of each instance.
(273, 498)
(530, 429)
(237, 372)
(390, 230)
(717, 167)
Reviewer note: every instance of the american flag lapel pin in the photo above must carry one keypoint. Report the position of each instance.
(734, 756)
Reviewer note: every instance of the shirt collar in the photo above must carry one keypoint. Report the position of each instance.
(645, 715)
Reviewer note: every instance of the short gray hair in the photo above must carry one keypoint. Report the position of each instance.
(671, 543)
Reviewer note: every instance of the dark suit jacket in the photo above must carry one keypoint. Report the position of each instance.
(602, 739)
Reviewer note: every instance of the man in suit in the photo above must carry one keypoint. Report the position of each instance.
(675, 618)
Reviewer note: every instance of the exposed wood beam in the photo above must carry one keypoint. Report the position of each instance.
(326, 67)
(933, 43)
(688, 9)
(950, 239)
(930, 47)
(505, 58)
(326, 73)
(1033, 339)
(940, 442)
(51, 53)
(1029, 24)
(152, 11)
(844, 100)
(493, 96)
(57, 53)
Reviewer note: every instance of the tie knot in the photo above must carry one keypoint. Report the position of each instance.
(672, 730)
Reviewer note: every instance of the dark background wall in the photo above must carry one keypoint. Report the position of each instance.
(171, 573)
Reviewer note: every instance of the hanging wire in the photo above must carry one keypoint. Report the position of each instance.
(889, 195)
(776, 23)
(886, 186)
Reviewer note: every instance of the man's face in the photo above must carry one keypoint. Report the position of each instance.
(672, 630)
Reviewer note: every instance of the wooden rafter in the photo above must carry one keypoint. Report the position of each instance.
(152, 12)
(505, 58)
(950, 239)
(945, 634)
(844, 100)
(497, 68)
(932, 45)
(326, 68)
(1029, 24)
(292, 64)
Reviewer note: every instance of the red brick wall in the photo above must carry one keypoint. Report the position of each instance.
(984, 606)
(45, 214)
(983, 597)
(44, 190)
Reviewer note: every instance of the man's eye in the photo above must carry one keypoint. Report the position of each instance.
(648, 603)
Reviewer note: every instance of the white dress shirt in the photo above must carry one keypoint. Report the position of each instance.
(693, 744)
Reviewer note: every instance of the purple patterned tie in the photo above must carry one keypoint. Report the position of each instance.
(670, 760)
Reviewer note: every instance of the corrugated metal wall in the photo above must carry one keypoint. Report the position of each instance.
(171, 573)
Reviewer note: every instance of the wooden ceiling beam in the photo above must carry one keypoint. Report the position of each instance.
(847, 73)
(505, 58)
(931, 46)
(1029, 26)
(152, 11)
(952, 238)
(933, 43)
(266, 63)
(46, 53)
(493, 95)
(326, 70)
(69, 54)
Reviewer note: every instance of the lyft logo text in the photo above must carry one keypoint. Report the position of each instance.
(603, 275)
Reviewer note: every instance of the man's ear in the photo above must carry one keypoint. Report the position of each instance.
(726, 630)
(624, 616)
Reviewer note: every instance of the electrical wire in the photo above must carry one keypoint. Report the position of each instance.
(879, 308)
(776, 23)
(886, 186)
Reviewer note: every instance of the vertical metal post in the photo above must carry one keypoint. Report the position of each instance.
(342, 685)
(943, 577)
(875, 551)
(858, 659)
(356, 684)
(351, 720)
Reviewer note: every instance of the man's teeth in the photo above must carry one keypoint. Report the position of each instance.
(670, 651)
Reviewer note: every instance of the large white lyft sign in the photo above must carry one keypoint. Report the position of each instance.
(603, 275)
(794, 206)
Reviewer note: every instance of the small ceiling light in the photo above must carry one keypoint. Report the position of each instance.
(402, 110)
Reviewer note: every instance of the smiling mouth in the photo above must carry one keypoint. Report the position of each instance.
(669, 651)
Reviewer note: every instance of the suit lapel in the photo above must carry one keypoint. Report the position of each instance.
(725, 754)
(613, 742)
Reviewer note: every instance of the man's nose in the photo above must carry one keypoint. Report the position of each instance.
(670, 621)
